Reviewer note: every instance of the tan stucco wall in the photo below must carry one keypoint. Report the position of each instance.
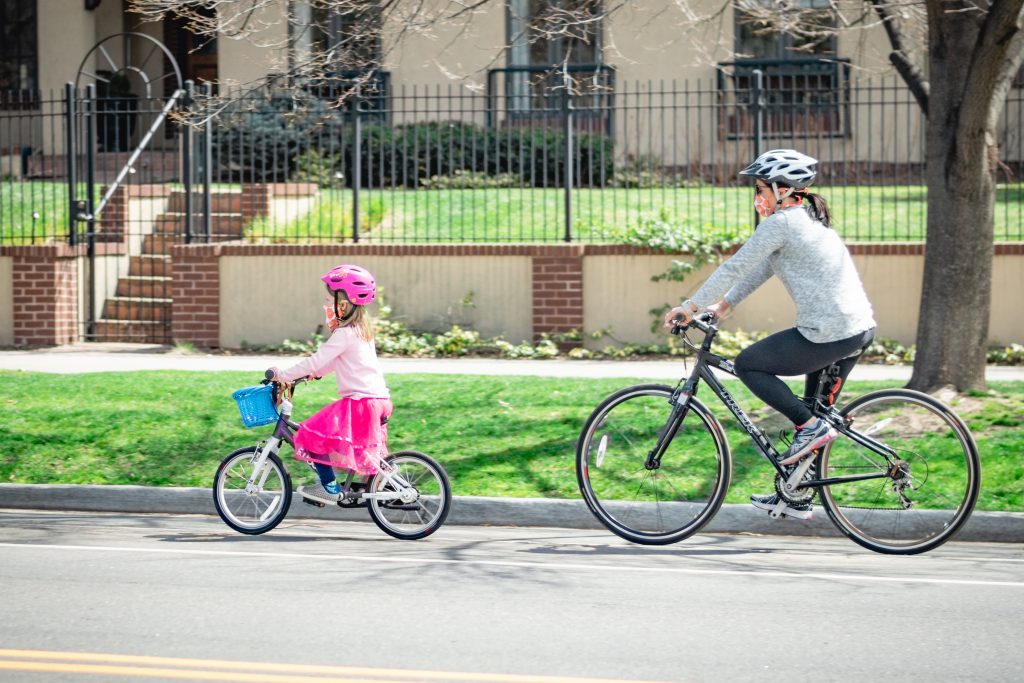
(247, 62)
(1006, 323)
(66, 32)
(6, 301)
(893, 284)
(423, 291)
(451, 53)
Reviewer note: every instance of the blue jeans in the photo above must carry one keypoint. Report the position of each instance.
(326, 473)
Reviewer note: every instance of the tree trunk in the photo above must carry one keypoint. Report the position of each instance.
(964, 102)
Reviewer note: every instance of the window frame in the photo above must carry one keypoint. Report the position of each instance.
(22, 97)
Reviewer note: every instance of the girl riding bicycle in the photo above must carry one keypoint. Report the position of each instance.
(349, 434)
(834, 319)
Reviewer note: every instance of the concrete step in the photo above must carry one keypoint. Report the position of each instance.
(144, 287)
(172, 223)
(150, 266)
(140, 331)
(136, 309)
(159, 245)
(220, 202)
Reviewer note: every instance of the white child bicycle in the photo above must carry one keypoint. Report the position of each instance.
(409, 497)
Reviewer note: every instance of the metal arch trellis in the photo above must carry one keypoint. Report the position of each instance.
(134, 304)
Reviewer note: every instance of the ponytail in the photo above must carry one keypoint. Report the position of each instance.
(817, 207)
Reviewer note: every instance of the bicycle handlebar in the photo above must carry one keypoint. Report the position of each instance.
(703, 322)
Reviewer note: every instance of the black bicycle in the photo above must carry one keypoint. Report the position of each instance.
(654, 465)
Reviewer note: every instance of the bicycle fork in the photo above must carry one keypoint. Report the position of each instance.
(680, 407)
(260, 472)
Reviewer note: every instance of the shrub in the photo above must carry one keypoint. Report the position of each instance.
(259, 139)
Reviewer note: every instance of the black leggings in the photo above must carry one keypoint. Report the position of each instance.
(790, 353)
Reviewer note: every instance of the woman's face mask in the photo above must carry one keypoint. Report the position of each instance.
(762, 206)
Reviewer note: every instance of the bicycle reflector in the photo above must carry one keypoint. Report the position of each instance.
(256, 404)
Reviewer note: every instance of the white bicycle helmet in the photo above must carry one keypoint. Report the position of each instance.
(784, 166)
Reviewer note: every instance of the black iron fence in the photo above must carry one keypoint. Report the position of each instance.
(522, 159)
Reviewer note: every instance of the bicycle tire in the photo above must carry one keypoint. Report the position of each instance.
(628, 499)
(254, 512)
(942, 470)
(433, 495)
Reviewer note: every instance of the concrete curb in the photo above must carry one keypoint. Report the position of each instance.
(1002, 527)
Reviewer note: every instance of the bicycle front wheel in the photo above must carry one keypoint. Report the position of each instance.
(669, 502)
(928, 489)
(418, 496)
(248, 501)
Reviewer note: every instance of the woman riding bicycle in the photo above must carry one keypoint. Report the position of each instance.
(834, 319)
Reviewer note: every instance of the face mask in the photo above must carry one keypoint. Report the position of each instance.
(761, 206)
(330, 317)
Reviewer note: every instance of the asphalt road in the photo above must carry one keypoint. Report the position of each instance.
(93, 596)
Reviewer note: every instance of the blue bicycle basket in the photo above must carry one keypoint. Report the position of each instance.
(256, 404)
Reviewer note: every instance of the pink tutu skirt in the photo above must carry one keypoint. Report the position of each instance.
(347, 434)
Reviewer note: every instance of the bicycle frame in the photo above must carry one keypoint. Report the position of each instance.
(702, 370)
(284, 431)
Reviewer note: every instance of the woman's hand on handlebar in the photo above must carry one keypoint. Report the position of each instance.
(681, 315)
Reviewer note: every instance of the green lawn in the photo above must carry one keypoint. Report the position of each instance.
(526, 215)
(33, 211)
(496, 436)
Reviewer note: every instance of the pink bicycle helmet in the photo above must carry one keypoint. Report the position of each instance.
(357, 283)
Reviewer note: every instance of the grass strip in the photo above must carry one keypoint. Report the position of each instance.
(496, 436)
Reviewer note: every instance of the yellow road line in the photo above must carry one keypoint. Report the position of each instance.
(266, 672)
(184, 674)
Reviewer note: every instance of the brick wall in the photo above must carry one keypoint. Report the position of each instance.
(45, 295)
(195, 290)
(558, 294)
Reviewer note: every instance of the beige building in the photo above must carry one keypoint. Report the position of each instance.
(643, 60)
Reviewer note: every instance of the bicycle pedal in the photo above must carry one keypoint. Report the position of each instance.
(314, 503)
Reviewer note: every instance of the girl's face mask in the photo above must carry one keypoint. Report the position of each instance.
(761, 205)
(330, 318)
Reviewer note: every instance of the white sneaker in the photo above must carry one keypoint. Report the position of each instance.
(318, 493)
(777, 507)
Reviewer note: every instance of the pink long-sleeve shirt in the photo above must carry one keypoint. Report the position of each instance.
(352, 360)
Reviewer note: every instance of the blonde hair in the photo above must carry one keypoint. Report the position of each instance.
(360, 320)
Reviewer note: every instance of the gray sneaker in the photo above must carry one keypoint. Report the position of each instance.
(318, 493)
(807, 440)
(777, 507)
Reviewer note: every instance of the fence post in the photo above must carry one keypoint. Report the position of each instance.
(69, 155)
(567, 115)
(90, 208)
(186, 160)
(207, 166)
(758, 104)
(357, 167)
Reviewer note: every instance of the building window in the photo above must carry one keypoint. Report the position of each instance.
(555, 48)
(342, 50)
(804, 84)
(18, 51)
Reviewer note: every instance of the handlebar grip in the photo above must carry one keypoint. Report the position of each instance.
(269, 374)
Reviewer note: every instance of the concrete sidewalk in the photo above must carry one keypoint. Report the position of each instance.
(113, 357)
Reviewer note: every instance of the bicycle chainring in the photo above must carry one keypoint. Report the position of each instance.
(799, 496)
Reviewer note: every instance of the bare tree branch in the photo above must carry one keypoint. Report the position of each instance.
(912, 76)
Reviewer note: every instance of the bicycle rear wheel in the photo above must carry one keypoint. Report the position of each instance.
(254, 509)
(424, 496)
(930, 492)
(652, 506)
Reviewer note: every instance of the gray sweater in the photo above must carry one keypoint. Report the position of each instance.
(813, 264)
